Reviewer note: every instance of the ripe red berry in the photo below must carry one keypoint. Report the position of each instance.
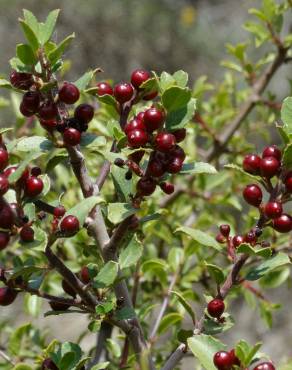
(49, 364)
(137, 156)
(48, 111)
(4, 158)
(84, 113)
(235, 359)
(71, 136)
(138, 77)
(24, 111)
(283, 224)
(253, 195)
(225, 230)
(146, 186)
(7, 296)
(59, 211)
(174, 165)
(265, 366)
(69, 225)
(103, 88)
(137, 138)
(4, 239)
(68, 289)
(33, 186)
(237, 240)
(21, 80)
(251, 164)
(69, 93)
(179, 134)
(164, 141)
(288, 182)
(155, 168)
(10, 170)
(272, 151)
(123, 92)
(269, 167)
(150, 96)
(134, 124)
(250, 237)
(31, 101)
(56, 306)
(220, 238)
(216, 307)
(84, 275)
(223, 360)
(7, 217)
(167, 187)
(27, 234)
(177, 151)
(153, 119)
(4, 184)
(49, 125)
(36, 171)
(273, 209)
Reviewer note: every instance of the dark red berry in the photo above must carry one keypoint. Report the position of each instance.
(134, 124)
(57, 306)
(220, 238)
(283, 224)
(21, 80)
(68, 289)
(153, 119)
(174, 165)
(177, 151)
(252, 164)
(250, 237)
(7, 217)
(4, 184)
(272, 151)
(49, 125)
(31, 101)
(10, 170)
(138, 77)
(180, 134)
(155, 168)
(216, 308)
(69, 93)
(137, 138)
(49, 364)
(48, 111)
(223, 360)
(4, 240)
(164, 141)
(7, 296)
(253, 195)
(167, 187)
(237, 240)
(273, 209)
(123, 92)
(265, 366)
(103, 88)
(84, 113)
(36, 171)
(24, 111)
(4, 158)
(33, 186)
(269, 167)
(288, 183)
(140, 116)
(225, 230)
(235, 359)
(69, 225)
(150, 96)
(27, 234)
(146, 186)
(59, 211)
(137, 156)
(71, 136)
(84, 275)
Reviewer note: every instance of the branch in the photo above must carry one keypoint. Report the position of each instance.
(100, 354)
(175, 357)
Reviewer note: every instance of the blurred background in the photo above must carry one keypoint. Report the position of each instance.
(119, 36)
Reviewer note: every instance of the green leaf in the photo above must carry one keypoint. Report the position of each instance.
(198, 167)
(82, 209)
(275, 278)
(186, 305)
(34, 143)
(104, 308)
(204, 347)
(154, 265)
(3, 130)
(181, 78)
(286, 115)
(57, 158)
(200, 237)
(106, 275)
(57, 53)
(241, 170)
(175, 258)
(181, 117)
(25, 54)
(31, 20)
(84, 80)
(248, 249)
(92, 142)
(22, 366)
(125, 313)
(176, 98)
(215, 272)
(214, 327)
(101, 366)
(117, 212)
(169, 320)
(47, 29)
(123, 187)
(17, 337)
(267, 266)
(131, 254)
(106, 99)
(287, 157)
(30, 35)
(166, 81)
(23, 164)
(32, 304)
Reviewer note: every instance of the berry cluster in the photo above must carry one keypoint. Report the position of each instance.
(269, 166)
(224, 360)
(45, 107)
